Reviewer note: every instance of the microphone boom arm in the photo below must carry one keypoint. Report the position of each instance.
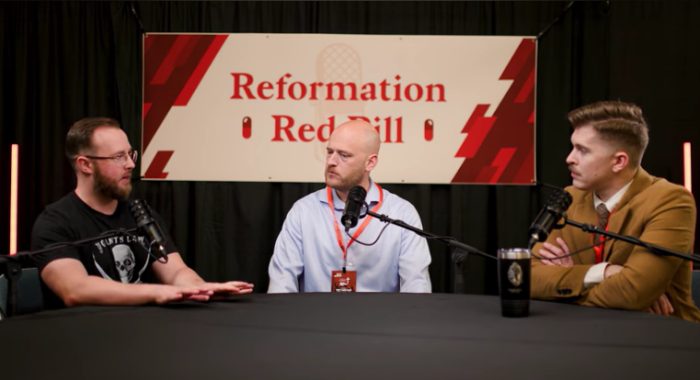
(633, 240)
(452, 242)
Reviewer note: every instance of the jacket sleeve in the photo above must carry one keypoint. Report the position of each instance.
(670, 223)
(552, 283)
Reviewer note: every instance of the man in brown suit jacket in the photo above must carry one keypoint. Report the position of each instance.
(608, 141)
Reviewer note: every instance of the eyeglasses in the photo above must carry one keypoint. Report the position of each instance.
(119, 159)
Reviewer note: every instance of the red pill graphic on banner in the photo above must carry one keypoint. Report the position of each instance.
(428, 129)
(247, 127)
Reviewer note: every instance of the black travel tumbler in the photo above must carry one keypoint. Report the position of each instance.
(514, 281)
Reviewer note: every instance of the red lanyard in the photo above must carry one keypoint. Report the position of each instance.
(598, 248)
(338, 235)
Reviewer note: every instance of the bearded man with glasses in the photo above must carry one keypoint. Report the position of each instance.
(116, 270)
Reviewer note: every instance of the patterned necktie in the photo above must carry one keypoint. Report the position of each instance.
(603, 214)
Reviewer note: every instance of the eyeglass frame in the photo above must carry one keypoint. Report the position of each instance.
(134, 155)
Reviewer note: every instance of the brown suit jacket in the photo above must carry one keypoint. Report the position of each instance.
(654, 210)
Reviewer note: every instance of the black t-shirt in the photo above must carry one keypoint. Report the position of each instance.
(118, 258)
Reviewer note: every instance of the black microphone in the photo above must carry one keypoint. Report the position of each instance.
(546, 221)
(145, 221)
(353, 207)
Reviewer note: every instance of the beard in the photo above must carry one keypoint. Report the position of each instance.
(345, 183)
(109, 188)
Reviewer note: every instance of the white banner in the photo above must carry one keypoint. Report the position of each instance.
(260, 107)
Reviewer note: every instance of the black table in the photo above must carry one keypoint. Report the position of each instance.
(347, 336)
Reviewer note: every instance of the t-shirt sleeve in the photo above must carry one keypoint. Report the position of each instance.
(49, 229)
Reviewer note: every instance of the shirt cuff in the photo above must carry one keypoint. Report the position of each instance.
(595, 275)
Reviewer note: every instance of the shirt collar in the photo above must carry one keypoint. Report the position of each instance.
(614, 200)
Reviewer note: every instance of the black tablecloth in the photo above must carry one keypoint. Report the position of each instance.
(347, 336)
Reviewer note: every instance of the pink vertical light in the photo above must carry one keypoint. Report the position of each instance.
(687, 177)
(14, 173)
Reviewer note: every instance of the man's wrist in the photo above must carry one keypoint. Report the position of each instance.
(187, 277)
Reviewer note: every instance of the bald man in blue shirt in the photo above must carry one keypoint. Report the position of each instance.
(312, 253)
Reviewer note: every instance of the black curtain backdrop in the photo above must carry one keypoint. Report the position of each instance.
(61, 61)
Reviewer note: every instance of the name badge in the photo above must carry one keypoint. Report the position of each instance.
(343, 282)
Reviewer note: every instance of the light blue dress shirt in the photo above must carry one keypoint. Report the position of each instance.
(307, 249)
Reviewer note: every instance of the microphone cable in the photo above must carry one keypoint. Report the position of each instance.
(347, 232)
(567, 255)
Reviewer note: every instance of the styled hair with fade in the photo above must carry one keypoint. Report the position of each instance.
(621, 124)
(79, 138)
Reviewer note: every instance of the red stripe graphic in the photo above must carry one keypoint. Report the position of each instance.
(479, 111)
(187, 50)
(155, 170)
(146, 107)
(525, 172)
(147, 43)
(174, 65)
(527, 88)
(168, 65)
(521, 56)
(499, 149)
(500, 162)
(485, 174)
(471, 144)
(199, 72)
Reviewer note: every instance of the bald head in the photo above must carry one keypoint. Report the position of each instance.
(360, 134)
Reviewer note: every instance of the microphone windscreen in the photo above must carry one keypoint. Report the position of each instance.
(358, 193)
(139, 210)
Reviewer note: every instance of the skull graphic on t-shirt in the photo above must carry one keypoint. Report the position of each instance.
(125, 261)
(121, 258)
